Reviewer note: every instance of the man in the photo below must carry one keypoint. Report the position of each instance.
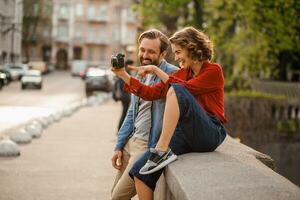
(143, 122)
(120, 95)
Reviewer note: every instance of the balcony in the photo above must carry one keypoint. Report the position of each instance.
(93, 18)
(62, 17)
(97, 40)
(62, 39)
(78, 40)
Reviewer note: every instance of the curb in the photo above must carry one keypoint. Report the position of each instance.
(32, 129)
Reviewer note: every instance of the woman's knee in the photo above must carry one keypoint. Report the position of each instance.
(171, 92)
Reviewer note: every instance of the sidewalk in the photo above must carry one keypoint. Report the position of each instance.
(70, 161)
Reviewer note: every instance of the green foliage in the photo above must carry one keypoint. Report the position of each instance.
(248, 35)
(253, 94)
(167, 15)
(288, 127)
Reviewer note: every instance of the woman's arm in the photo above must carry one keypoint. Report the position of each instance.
(137, 88)
(143, 70)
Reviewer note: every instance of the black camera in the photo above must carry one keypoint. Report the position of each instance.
(118, 61)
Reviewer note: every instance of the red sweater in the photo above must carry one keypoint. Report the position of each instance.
(207, 87)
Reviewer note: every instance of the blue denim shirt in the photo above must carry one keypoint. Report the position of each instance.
(157, 113)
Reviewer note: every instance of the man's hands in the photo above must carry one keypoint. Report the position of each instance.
(121, 73)
(116, 160)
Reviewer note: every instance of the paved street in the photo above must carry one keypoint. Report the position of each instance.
(70, 161)
(18, 106)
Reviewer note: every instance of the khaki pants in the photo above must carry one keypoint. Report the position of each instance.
(123, 188)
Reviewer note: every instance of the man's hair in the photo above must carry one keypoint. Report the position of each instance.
(198, 45)
(156, 34)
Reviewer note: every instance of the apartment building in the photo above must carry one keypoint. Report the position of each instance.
(11, 13)
(92, 30)
(37, 30)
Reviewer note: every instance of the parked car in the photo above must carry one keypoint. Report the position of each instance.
(17, 70)
(83, 72)
(32, 78)
(38, 65)
(2, 80)
(97, 80)
(77, 67)
(7, 74)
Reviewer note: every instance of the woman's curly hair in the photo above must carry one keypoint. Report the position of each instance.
(198, 45)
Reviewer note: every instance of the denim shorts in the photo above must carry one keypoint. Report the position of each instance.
(196, 131)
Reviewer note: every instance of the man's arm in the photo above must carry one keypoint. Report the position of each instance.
(125, 130)
(123, 134)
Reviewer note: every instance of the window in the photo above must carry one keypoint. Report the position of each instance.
(35, 9)
(102, 52)
(102, 35)
(130, 15)
(63, 10)
(46, 31)
(103, 12)
(79, 9)
(90, 53)
(62, 31)
(91, 12)
(78, 32)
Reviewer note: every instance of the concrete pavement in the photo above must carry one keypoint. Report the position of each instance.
(70, 161)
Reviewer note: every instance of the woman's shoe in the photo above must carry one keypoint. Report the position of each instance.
(157, 160)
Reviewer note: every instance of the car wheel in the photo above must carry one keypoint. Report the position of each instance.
(23, 86)
(40, 87)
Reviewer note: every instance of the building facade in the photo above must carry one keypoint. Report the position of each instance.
(92, 30)
(11, 13)
(37, 29)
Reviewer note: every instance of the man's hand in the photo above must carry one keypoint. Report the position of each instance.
(116, 160)
(121, 73)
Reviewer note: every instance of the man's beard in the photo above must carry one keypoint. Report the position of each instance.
(152, 62)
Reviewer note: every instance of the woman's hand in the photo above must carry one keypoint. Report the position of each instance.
(143, 70)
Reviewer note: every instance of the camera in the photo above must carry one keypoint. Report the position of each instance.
(118, 61)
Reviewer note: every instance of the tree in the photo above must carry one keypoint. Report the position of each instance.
(253, 38)
(36, 13)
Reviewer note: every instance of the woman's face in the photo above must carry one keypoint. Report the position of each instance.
(181, 56)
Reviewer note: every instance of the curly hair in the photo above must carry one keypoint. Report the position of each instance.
(198, 45)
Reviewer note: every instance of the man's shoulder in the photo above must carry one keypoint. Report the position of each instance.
(167, 67)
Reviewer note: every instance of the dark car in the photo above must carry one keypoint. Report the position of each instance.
(97, 80)
(2, 79)
(7, 74)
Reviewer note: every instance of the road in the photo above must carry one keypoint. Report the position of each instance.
(18, 106)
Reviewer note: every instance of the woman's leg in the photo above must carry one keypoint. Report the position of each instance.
(170, 121)
(143, 191)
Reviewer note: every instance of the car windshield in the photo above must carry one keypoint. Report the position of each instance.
(33, 73)
(14, 67)
(93, 73)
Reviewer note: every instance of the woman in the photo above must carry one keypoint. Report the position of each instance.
(194, 111)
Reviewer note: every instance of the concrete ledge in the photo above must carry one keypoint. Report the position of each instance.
(233, 171)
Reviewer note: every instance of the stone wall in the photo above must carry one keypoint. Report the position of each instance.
(271, 126)
(233, 171)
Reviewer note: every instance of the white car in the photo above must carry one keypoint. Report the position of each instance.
(32, 78)
(17, 70)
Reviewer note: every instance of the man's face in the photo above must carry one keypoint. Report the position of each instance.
(149, 52)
